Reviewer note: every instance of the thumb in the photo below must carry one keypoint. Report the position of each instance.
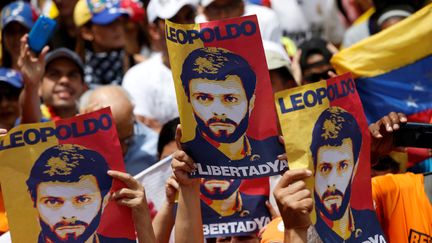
(43, 54)
(178, 137)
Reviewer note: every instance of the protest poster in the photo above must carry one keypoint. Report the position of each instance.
(154, 180)
(234, 207)
(325, 130)
(55, 183)
(225, 99)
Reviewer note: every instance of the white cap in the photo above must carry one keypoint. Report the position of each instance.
(276, 56)
(166, 9)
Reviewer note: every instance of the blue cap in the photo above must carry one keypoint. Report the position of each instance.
(101, 12)
(109, 14)
(17, 11)
(11, 77)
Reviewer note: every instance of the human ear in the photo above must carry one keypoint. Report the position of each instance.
(155, 30)
(354, 170)
(251, 104)
(87, 34)
(106, 200)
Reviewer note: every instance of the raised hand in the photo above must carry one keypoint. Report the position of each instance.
(182, 164)
(31, 66)
(134, 197)
(382, 132)
(294, 200)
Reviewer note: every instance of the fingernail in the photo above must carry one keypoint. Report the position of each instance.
(308, 172)
(396, 126)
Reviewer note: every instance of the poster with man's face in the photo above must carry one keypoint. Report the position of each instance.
(55, 183)
(325, 130)
(234, 207)
(224, 97)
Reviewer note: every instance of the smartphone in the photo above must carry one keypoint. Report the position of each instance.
(410, 134)
(41, 33)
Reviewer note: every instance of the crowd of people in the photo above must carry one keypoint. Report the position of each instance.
(114, 53)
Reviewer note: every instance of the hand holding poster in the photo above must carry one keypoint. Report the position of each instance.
(325, 130)
(55, 182)
(224, 97)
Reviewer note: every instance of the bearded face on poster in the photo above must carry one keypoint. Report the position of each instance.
(220, 86)
(335, 147)
(69, 186)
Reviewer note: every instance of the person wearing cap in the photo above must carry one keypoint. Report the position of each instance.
(279, 66)
(62, 84)
(383, 15)
(11, 84)
(66, 33)
(101, 40)
(56, 78)
(138, 44)
(392, 15)
(222, 9)
(150, 83)
(315, 60)
(17, 18)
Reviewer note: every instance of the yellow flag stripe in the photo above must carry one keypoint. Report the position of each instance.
(400, 45)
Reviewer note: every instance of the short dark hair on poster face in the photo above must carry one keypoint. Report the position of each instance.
(214, 63)
(332, 127)
(69, 163)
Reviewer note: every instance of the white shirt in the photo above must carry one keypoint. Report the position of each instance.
(267, 20)
(292, 19)
(151, 86)
(356, 33)
(324, 19)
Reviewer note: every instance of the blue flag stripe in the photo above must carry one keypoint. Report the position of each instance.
(407, 89)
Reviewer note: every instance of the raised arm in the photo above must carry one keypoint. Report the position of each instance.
(188, 222)
(295, 203)
(32, 68)
(163, 222)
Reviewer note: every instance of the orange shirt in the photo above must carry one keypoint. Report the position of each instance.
(274, 231)
(402, 207)
(3, 220)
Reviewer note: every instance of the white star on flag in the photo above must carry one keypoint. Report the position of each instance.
(418, 87)
(410, 102)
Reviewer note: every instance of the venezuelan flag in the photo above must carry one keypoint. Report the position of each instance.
(393, 69)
